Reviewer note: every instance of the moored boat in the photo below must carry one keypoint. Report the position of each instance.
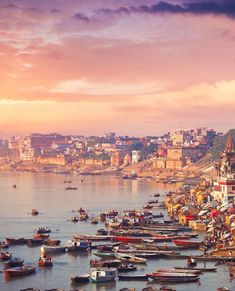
(34, 242)
(5, 256)
(103, 274)
(196, 269)
(126, 268)
(92, 237)
(52, 250)
(43, 230)
(45, 262)
(131, 259)
(105, 263)
(20, 271)
(4, 245)
(16, 241)
(187, 243)
(133, 277)
(13, 262)
(173, 277)
(80, 278)
(52, 242)
(34, 212)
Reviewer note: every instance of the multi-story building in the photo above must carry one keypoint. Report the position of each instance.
(224, 185)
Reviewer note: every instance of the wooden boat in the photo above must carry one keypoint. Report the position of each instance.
(14, 262)
(133, 277)
(71, 188)
(34, 242)
(92, 237)
(167, 288)
(75, 219)
(187, 243)
(103, 274)
(5, 256)
(126, 268)
(20, 271)
(105, 263)
(196, 269)
(52, 242)
(53, 250)
(152, 201)
(105, 255)
(34, 212)
(126, 239)
(94, 221)
(151, 247)
(4, 245)
(158, 215)
(45, 262)
(173, 277)
(16, 241)
(41, 235)
(131, 259)
(84, 278)
(77, 246)
(177, 270)
(41, 230)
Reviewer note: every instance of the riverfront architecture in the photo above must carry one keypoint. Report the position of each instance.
(224, 185)
(55, 152)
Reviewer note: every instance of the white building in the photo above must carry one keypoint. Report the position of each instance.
(224, 185)
(135, 157)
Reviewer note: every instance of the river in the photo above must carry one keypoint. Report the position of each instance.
(46, 192)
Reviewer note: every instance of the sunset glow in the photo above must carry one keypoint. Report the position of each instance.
(136, 67)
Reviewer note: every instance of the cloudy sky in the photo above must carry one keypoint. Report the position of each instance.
(136, 67)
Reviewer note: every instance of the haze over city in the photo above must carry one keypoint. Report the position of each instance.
(136, 67)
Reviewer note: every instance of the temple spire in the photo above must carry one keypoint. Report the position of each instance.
(229, 144)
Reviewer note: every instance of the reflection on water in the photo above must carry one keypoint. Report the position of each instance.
(46, 192)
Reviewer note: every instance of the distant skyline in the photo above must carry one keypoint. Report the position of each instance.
(134, 67)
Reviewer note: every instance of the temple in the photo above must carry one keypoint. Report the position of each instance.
(224, 185)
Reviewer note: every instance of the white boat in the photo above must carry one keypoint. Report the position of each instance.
(103, 274)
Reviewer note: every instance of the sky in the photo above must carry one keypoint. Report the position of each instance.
(135, 67)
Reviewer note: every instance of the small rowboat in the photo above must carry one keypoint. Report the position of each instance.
(129, 239)
(20, 271)
(196, 269)
(45, 263)
(5, 256)
(183, 271)
(15, 262)
(133, 278)
(41, 235)
(131, 259)
(52, 242)
(126, 268)
(4, 245)
(75, 219)
(34, 212)
(43, 230)
(80, 279)
(173, 277)
(187, 243)
(93, 237)
(105, 263)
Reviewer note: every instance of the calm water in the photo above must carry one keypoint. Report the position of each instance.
(96, 193)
